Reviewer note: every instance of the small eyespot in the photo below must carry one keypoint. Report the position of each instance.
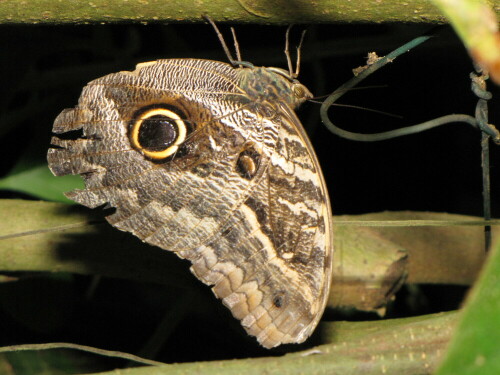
(157, 132)
(279, 300)
(248, 161)
(247, 165)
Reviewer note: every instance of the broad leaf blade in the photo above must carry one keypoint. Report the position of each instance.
(475, 347)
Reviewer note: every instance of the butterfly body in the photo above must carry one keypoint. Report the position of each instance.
(210, 161)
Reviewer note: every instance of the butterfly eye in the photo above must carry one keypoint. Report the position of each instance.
(299, 91)
(157, 133)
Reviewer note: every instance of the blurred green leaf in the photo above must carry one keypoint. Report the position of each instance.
(476, 24)
(37, 180)
(475, 347)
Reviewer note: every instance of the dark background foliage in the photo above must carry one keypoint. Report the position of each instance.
(45, 68)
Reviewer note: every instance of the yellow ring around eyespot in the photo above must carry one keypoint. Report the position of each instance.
(181, 130)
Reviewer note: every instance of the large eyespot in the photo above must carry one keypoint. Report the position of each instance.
(157, 131)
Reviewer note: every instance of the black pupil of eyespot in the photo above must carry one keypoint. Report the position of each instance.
(278, 301)
(157, 133)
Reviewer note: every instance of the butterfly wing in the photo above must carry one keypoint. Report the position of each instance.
(242, 197)
(177, 203)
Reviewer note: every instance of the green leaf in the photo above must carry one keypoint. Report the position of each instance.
(38, 181)
(475, 347)
(476, 24)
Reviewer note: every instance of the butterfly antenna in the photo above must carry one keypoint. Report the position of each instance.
(299, 50)
(288, 56)
(287, 51)
(222, 41)
(236, 45)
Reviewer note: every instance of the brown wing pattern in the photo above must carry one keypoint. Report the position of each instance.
(243, 198)
(177, 204)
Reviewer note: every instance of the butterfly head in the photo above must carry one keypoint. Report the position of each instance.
(272, 85)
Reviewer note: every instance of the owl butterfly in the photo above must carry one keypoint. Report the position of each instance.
(208, 160)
